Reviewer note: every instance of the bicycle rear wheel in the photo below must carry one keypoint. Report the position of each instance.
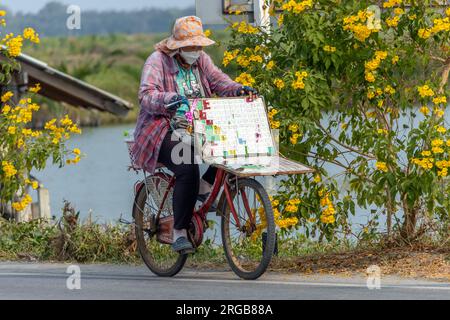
(249, 240)
(155, 249)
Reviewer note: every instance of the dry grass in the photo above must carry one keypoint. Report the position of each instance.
(419, 262)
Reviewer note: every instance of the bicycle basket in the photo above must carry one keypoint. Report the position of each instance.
(129, 140)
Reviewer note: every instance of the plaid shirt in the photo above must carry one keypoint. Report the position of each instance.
(158, 87)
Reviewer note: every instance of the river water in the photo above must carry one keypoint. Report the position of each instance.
(100, 185)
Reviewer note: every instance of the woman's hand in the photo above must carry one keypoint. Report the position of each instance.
(247, 91)
(176, 102)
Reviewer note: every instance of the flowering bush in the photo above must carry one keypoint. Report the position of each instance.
(22, 148)
(359, 92)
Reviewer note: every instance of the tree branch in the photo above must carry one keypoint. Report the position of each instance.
(370, 156)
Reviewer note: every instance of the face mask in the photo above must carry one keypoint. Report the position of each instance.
(190, 57)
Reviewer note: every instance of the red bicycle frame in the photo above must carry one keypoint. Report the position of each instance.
(200, 215)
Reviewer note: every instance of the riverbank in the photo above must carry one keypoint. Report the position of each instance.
(71, 242)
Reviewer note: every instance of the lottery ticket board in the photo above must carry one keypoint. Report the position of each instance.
(234, 134)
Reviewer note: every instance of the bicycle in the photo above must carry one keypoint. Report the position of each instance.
(247, 222)
(245, 211)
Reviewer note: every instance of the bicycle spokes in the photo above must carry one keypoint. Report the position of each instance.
(154, 221)
(245, 222)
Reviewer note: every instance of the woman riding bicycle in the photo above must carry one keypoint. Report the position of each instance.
(178, 70)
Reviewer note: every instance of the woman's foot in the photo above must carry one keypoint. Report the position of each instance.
(183, 245)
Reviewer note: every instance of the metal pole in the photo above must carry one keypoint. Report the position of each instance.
(262, 16)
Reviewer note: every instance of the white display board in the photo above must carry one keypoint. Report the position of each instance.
(234, 134)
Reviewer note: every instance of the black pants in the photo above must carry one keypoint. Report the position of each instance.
(187, 181)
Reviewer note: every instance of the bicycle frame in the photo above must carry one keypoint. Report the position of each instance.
(222, 179)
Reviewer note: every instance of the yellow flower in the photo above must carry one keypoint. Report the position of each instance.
(275, 124)
(20, 143)
(245, 79)
(424, 33)
(447, 12)
(317, 179)
(438, 112)
(255, 58)
(399, 11)
(77, 151)
(440, 25)
(328, 210)
(245, 28)
(207, 33)
(294, 139)
(293, 128)
(35, 185)
(36, 88)
(30, 34)
(279, 83)
(370, 77)
(393, 22)
(425, 110)
(11, 130)
(392, 3)
(229, 56)
(443, 172)
(439, 100)
(382, 166)
(20, 206)
(2, 13)
(286, 223)
(437, 143)
(426, 153)
(8, 169)
(297, 7)
(270, 65)
(328, 48)
(14, 46)
(437, 150)
(395, 59)
(298, 83)
(7, 96)
(389, 90)
(441, 129)
(425, 91)
(66, 121)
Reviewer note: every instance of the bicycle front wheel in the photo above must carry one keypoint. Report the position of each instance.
(248, 235)
(151, 229)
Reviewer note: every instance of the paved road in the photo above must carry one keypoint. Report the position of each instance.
(48, 281)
